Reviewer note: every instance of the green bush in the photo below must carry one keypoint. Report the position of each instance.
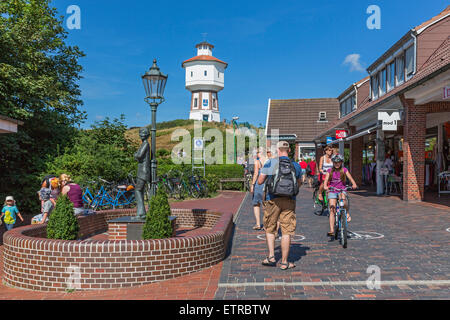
(157, 224)
(62, 223)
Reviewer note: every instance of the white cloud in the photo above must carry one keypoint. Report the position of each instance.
(99, 117)
(353, 61)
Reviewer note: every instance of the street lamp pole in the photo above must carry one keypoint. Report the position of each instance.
(154, 83)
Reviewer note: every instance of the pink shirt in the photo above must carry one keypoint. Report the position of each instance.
(335, 179)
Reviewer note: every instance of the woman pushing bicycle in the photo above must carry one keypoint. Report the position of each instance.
(336, 179)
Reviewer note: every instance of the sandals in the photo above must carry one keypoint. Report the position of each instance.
(257, 228)
(287, 265)
(330, 234)
(269, 263)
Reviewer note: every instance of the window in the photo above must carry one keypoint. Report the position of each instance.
(354, 103)
(218, 74)
(391, 76)
(192, 74)
(400, 70)
(409, 57)
(374, 86)
(195, 103)
(382, 82)
(322, 116)
(206, 73)
(214, 103)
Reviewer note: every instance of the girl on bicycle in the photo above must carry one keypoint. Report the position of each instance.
(336, 178)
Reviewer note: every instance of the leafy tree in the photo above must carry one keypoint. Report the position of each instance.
(38, 85)
(103, 151)
(62, 224)
(157, 224)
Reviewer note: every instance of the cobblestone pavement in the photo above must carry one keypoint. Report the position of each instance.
(408, 242)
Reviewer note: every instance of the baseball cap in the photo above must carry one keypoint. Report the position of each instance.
(282, 144)
(9, 198)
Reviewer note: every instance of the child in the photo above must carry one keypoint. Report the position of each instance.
(47, 207)
(337, 177)
(10, 212)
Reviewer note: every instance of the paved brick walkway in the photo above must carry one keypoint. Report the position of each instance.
(409, 243)
(201, 285)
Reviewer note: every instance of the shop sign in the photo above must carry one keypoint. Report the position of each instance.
(389, 121)
(341, 134)
(330, 139)
(446, 93)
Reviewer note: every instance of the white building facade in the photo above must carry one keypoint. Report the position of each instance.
(204, 79)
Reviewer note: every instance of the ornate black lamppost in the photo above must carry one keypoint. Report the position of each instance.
(154, 83)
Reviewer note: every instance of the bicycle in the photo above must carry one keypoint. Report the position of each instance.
(319, 206)
(198, 187)
(341, 224)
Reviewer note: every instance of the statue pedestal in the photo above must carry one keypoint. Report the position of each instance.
(130, 228)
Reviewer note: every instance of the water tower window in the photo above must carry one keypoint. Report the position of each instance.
(192, 74)
(195, 103)
(206, 73)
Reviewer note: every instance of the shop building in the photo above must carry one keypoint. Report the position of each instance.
(401, 111)
(298, 121)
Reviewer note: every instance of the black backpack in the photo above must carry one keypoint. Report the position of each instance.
(308, 170)
(283, 182)
(251, 168)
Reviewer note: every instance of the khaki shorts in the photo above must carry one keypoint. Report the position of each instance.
(282, 210)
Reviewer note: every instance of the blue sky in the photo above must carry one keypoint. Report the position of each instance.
(275, 49)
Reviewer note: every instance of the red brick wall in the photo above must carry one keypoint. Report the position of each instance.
(33, 262)
(414, 131)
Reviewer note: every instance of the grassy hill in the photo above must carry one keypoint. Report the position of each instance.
(166, 129)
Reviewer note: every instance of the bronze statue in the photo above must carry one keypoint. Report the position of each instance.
(143, 174)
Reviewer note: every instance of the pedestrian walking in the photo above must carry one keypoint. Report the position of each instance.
(283, 179)
(258, 189)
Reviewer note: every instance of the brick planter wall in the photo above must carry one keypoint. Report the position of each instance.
(33, 262)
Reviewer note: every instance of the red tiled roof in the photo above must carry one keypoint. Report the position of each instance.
(438, 60)
(205, 58)
(428, 22)
(300, 116)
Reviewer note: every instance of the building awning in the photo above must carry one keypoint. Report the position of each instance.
(357, 135)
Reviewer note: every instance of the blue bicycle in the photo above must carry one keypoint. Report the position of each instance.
(341, 223)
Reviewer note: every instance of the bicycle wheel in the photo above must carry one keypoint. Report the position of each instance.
(344, 228)
(336, 227)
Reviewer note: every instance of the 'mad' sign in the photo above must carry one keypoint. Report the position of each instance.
(389, 120)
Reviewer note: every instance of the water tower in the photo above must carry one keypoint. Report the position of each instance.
(204, 79)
